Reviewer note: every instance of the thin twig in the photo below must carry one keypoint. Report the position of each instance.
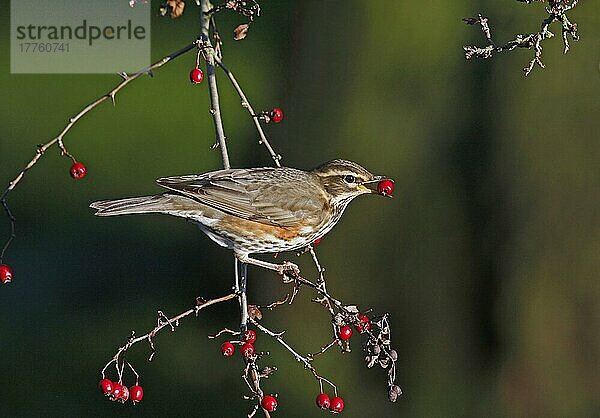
(163, 322)
(241, 275)
(41, 149)
(206, 45)
(556, 10)
(255, 118)
(301, 359)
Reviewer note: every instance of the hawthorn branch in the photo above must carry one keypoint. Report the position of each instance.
(241, 280)
(162, 322)
(556, 10)
(58, 140)
(255, 118)
(278, 336)
(209, 52)
(251, 375)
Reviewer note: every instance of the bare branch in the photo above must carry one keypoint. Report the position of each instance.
(163, 322)
(556, 10)
(41, 149)
(209, 51)
(255, 118)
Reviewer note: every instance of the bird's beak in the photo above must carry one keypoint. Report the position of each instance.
(371, 186)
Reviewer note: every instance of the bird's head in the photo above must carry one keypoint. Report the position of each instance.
(344, 180)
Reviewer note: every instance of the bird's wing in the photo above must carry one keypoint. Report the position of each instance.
(267, 195)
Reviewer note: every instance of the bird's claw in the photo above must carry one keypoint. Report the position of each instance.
(288, 271)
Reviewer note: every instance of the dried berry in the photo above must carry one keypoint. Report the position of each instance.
(364, 324)
(124, 395)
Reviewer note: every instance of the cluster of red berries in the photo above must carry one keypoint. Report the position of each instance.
(196, 76)
(6, 273)
(247, 349)
(119, 392)
(385, 187)
(325, 402)
(268, 402)
(363, 325)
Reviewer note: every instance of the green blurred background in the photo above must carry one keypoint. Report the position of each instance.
(487, 259)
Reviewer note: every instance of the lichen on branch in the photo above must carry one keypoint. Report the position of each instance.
(557, 12)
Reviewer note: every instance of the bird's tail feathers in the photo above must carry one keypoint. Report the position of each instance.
(145, 204)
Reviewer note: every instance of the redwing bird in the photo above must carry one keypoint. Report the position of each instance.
(257, 210)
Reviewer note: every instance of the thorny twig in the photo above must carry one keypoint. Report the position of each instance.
(341, 314)
(162, 322)
(41, 149)
(557, 12)
(255, 118)
(306, 361)
(209, 51)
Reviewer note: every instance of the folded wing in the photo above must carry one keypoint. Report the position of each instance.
(270, 195)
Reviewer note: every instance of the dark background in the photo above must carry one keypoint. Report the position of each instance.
(487, 258)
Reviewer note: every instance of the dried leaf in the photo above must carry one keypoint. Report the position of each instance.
(241, 31)
(173, 7)
(254, 312)
(352, 309)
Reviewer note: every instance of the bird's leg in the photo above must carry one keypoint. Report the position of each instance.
(241, 280)
(281, 269)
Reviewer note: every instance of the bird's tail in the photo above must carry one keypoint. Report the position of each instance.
(165, 203)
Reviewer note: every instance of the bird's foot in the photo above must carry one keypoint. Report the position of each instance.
(288, 271)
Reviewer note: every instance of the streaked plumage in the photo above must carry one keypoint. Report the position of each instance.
(256, 210)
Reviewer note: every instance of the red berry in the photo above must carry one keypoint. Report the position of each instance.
(117, 390)
(248, 350)
(385, 187)
(323, 401)
(269, 403)
(125, 395)
(196, 76)
(277, 115)
(345, 333)
(106, 386)
(250, 336)
(78, 171)
(337, 404)
(6, 273)
(317, 241)
(137, 393)
(227, 349)
(364, 324)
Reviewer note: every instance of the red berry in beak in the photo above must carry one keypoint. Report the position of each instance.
(385, 187)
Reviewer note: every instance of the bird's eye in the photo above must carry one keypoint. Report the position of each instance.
(349, 178)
